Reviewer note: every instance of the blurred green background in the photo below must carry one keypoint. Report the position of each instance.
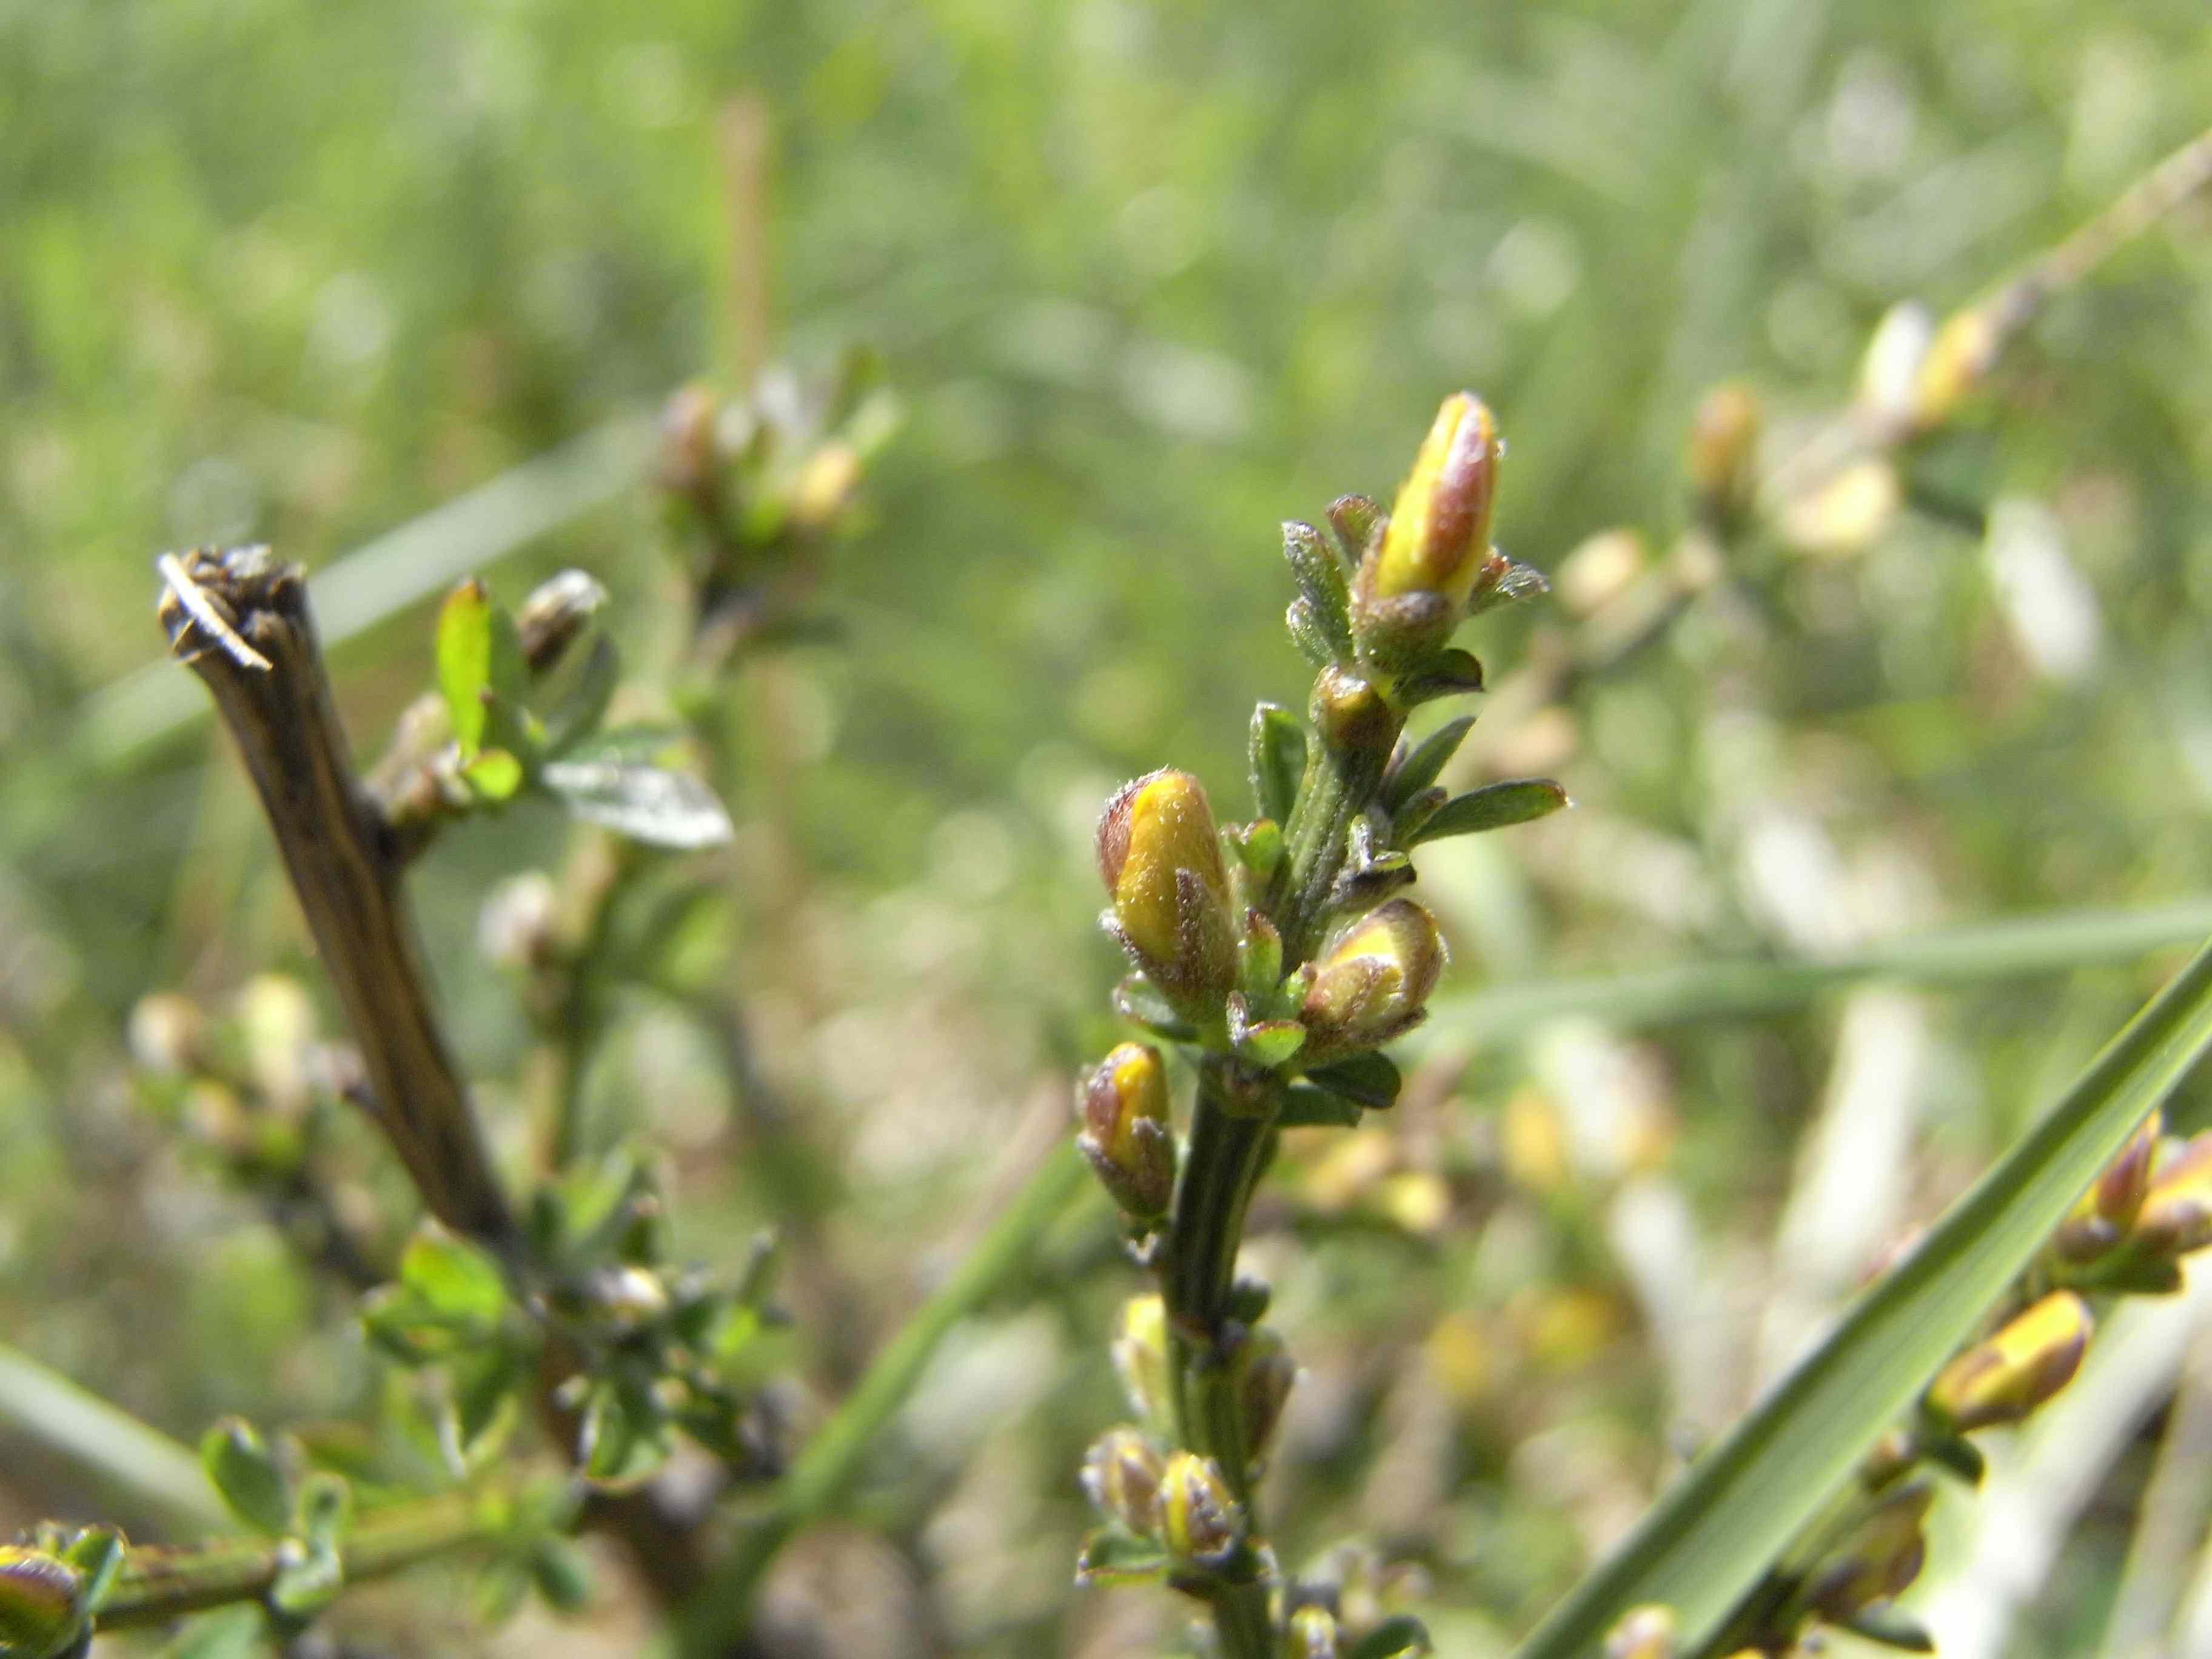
(1148, 279)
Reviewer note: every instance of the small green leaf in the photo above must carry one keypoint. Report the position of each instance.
(1891, 1629)
(244, 1470)
(97, 1553)
(623, 1441)
(1138, 999)
(1111, 1556)
(1320, 575)
(1278, 759)
(1393, 1638)
(1520, 581)
(576, 720)
(563, 1577)
(1424, 763)
(1306, 634)
(464, 650)
(1494, 806)
(1371, 1079)
(451, 1277)
(1450, 673)
(493, 775)
(483, 1403)
(1272, 1042)
(306, 1584)
(645, 803)
(1305, 1107)
(325, 1509)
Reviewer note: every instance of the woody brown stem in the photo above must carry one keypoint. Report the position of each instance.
(260, 660)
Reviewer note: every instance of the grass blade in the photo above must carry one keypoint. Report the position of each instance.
(1706, 1541)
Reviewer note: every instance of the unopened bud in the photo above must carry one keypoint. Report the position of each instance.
(2003, 1379)
(1140, 1355)
(1373, 979)
(1723, 444)
(1643, 1632)
(2101, 1219)
(517, 925)
(1161, 858)
(1125, 1134)
(686, 442)
(42, 1609)
(1200, 1523)
(1881, 1556)
(1312, 1634)
(1439, 529)
(1122, 1474)
(1265, 1375)
(554, 615)
(1352, 715)
(825, 485)
(1965, 350)
(168, 1033)
(2176, 1217)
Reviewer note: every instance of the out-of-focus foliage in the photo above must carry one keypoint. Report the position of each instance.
(1149, 279)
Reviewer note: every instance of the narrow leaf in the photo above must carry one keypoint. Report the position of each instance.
(451, 1278)
(1111, 1556)
(1321, 579)
(1278, 759)
(1398, 1638)
(578, 713)
(1711, 1537)
(1494, 806)
(645, 803)
(1424, 763)
(244, 1470)
(464, 660)
(1371, 1079)
(1305, 1107)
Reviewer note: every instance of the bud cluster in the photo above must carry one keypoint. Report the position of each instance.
(756, 486)
(1283, 951)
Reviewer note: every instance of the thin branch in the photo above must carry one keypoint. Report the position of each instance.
(158, 1584)
(341, 864)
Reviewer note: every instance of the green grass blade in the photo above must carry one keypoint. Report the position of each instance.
(2015, 948)
(1705, 1543)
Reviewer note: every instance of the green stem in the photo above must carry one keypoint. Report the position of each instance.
(825, 1471)
(149, 1470)
(1231, 1126)
(157, 1584)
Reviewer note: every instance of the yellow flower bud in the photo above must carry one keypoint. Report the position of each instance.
(1125, 1134)
(1965, 350)
(1161, 858)
(1643, 1632)
(1312, 1634)
(1140, 1355)
(41, 1604)
(1439, 532)
(2005, 1377)
(1200, 1522)
(2101, 1217)
(2176, 1217)
(1122, 1476)
(1881, 1556)
(1372, 981)
(1723, 442)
